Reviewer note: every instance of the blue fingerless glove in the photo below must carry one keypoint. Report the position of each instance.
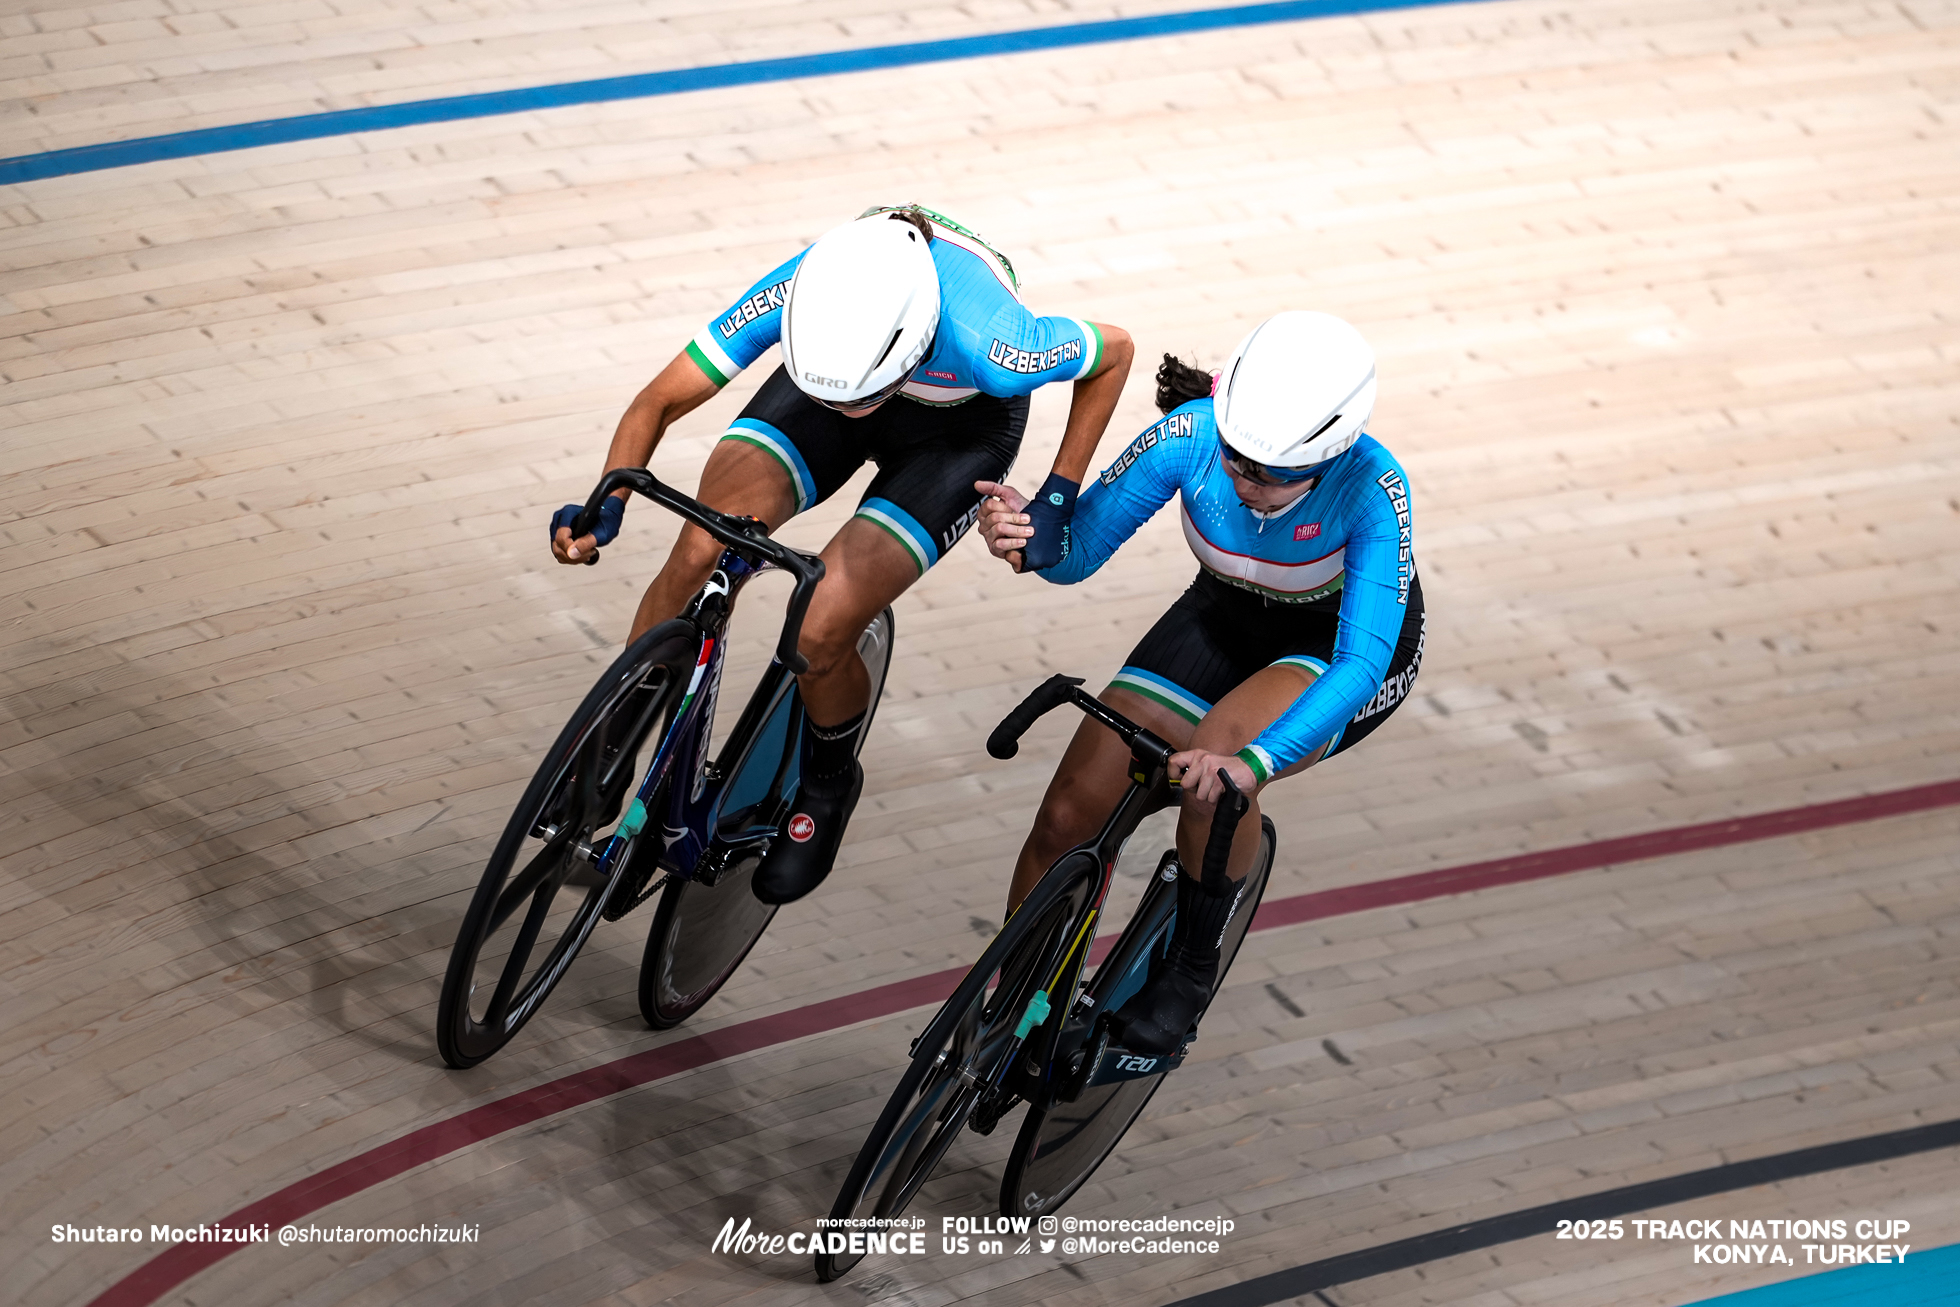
(611, 514)
(1049, 513)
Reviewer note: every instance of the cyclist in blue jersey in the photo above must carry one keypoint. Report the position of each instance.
(904, 341)
(1302, 632)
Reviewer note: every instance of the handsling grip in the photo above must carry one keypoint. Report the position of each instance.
(745, 535)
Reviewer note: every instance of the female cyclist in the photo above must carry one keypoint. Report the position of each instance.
(1302, 632)
(904, 341)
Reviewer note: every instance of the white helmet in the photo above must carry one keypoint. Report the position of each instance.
(861, 312)
(1297, 391)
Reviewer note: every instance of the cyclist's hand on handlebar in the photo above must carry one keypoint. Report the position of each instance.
(1196, 772)
(1004, 521)
(567, 550)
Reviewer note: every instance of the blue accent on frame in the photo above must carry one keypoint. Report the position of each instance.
(739, 809)
(1927, 1279)
(457, 108)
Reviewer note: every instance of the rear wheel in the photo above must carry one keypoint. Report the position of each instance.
(541, 893)
(1061, 1145)
(701, 932)
(960, 1056)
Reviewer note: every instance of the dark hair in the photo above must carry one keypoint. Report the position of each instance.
(1180, 383)
(916, 217)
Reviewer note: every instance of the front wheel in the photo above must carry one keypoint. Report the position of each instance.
(961, 1055)
(1061, 1145)
(541, 893)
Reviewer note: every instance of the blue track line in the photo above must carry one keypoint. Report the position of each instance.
(456, 108)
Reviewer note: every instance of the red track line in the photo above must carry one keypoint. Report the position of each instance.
(172, 1267)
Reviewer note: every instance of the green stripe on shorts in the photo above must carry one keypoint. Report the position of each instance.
(892, 529)
(1188, 709)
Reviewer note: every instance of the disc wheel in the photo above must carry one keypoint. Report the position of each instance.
(960, 1053)
(1061, 1144)
(701, 933)
(541, 893)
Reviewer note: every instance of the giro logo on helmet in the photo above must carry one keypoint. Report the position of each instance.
(861, 312)
(801, 828)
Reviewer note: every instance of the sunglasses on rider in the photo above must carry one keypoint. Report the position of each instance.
(1262, 474)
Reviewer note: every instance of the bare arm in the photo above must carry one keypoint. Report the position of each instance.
(1092, 404)
(680, 388)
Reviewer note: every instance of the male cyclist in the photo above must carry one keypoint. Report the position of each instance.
(904, 341)
(1301, 634)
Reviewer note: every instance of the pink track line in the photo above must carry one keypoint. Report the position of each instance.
(175, 1265)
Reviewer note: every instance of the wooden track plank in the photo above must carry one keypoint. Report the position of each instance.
(1658, 295)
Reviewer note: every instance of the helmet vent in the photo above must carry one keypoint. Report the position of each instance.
(889, 346)
(1323, 429)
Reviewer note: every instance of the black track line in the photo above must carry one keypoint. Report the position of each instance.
(1300, 1281)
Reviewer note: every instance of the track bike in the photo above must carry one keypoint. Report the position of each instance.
(698, 821)
(1032, 1021)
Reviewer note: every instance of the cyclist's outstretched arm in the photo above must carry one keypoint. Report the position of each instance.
(680, 388)
(1170, 451)
(1092, 403)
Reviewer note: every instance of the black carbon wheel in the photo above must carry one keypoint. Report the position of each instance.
(541, 895)
(701, 933)
(1061, 1145)
(960, 1051)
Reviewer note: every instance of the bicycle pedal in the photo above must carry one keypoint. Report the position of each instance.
(988, 1112)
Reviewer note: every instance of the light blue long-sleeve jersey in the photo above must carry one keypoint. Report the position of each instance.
(1345, 541)
(987, 342)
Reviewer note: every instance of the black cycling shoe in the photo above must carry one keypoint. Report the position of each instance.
(800, 858)
(1161, 1014)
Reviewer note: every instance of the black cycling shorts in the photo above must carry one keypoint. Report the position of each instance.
(928, 457)
(1216, 636)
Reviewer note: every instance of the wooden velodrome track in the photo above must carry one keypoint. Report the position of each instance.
(1664, 296)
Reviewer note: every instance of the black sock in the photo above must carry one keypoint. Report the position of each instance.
(827, 754)
(1201, 921)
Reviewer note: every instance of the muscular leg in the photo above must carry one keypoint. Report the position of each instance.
(739, 479)
(1093, 774)
(1157, 1016)
(1234, 722)
(864, 569)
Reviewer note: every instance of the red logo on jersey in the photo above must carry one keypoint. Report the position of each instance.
(1306, 531)
(943, 376)
(801, 828)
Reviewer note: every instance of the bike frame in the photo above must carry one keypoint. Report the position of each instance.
(1043, 1019)
(1149, 768)
(693, 843)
